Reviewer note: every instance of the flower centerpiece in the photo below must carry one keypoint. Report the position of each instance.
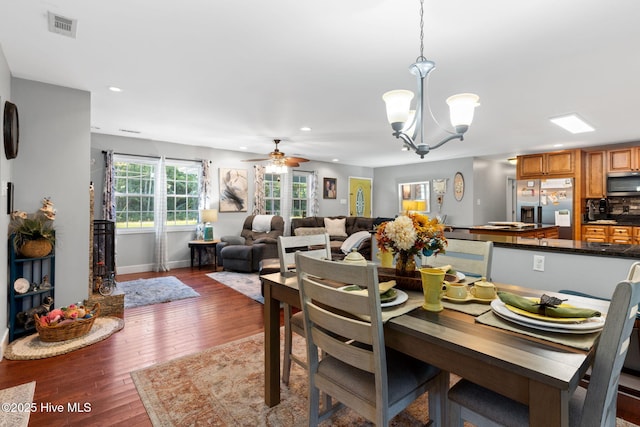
(408, 235)
(34, 234)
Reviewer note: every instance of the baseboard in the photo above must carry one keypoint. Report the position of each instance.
(143, 268)
(4, 344)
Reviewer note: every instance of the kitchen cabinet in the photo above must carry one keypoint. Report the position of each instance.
(595, 179)
(636, 235)
(624, 159)
(621, 234)
(558, 163)
(595, 233)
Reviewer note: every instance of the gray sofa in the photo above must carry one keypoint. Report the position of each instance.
(352, 224)
(244, 252)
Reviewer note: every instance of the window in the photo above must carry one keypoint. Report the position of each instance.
(272, 194)
(299, 195)
(135, 186)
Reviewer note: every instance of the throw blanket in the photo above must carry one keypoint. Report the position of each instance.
(261, 223)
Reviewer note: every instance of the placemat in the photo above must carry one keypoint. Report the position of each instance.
(581, 341)
(416, 299)
(472, 308)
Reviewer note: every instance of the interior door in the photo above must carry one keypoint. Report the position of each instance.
(360, 196)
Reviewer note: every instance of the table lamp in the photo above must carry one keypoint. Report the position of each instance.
(208, 216)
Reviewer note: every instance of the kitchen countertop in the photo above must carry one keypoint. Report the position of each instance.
(511, 230)
(549, 245)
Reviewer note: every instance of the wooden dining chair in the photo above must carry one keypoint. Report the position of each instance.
(467, 256)
(357, 369)
(595, 406)
(317, 246)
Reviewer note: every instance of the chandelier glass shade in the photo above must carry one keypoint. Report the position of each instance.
(408, 124)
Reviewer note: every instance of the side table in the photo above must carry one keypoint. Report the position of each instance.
(200, 246)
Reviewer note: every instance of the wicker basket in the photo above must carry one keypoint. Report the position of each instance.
(35, 248)
(70, 330)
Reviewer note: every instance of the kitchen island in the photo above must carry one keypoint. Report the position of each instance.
(539, 231)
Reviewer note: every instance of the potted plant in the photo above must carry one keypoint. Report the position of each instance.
(34, 234)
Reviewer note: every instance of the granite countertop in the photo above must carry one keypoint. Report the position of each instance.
(503, 228)
(627, 220)
(551, 245)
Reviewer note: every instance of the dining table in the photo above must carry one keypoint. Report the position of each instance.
(538, 368)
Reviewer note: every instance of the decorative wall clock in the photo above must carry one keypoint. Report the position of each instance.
(11, 128)
(458, 186)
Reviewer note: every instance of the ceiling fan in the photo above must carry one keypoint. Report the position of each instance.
(278, 157)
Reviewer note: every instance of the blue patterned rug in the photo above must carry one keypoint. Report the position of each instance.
(245, 283)
(153, 291)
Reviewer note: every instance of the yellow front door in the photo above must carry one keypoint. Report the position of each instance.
(360, 197)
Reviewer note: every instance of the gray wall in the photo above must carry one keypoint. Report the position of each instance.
(489, 190)
(53, 161)
(5, 176)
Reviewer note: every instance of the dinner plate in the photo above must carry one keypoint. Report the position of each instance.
(21, 285)
(401, 297)
(591, 325)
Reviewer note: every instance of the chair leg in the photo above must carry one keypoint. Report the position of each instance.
(314, 406)
(286, 368)
(455, 415)
(437, 397)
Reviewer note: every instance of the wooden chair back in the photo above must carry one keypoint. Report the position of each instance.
(467, 256)
(334, 321)
(317, 246)
(600, 402)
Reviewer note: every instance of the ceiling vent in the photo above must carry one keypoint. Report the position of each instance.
(61, 25)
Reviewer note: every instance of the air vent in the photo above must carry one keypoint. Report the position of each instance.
(61, 25)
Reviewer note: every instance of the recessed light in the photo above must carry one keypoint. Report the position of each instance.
(335, 160)
(558, 145)
(513, 161)
(115, 89)
(242, 148)
(305, 129)
(572, 123)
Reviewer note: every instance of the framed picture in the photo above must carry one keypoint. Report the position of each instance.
(419, 193)
(234, 190)
(329, 188)
(406, 191)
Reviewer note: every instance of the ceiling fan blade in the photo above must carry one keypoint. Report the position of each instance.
(297, 159)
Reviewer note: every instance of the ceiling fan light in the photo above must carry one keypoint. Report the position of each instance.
(398, 104)
(462, 107)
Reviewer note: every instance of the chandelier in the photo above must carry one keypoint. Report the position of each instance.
(407, 123)
(277, 166)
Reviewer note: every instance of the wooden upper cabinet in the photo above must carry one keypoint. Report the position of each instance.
(557, 163)
(595, 177)
(624, 159)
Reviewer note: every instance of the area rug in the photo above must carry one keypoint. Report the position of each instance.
(16, 397)
(245, 283)
(224, 386)
(31, 348)
(154, 291)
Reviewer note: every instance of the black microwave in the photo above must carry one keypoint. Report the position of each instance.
(623, 184)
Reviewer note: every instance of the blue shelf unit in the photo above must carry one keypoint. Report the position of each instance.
(40, 273)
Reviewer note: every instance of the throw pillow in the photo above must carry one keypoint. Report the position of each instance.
(336, 227)
(309, 231)
(354, 241)
(261, 223)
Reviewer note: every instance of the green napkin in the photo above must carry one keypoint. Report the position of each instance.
(531, 306)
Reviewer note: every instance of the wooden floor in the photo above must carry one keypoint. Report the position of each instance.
(99, 374)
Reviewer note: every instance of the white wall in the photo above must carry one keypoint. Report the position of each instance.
(5, 176)
(590, 274)
(53, 161)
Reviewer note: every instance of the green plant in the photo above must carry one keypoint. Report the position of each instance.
(35, 226)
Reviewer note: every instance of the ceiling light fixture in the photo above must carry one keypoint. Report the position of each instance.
(277, 166)
(572, 123)
(305, 129)
(115, 89)
(407, 123)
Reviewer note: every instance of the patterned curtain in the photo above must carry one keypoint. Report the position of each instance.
(258, 195)
(206, 185)
(161, 258)
(314, 204)
(108, 188)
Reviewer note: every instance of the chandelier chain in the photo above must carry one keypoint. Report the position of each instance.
(421, 57)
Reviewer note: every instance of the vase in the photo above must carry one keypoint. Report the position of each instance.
(35, 248)
(405, 264)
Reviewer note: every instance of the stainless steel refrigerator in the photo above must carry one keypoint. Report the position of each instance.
(546, 201)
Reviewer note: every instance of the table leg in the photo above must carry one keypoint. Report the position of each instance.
(271, 347)
(548, 406)
(193, 251)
